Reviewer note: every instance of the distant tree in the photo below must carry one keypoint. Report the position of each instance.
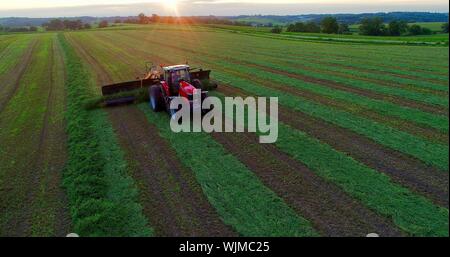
(142, 18)
(54, 25)
(296, 27)
(277, 29)
(343, 28)
(312, 27)
(33, 29)
(155, 18)
(103, 24)
(117, 21)
(397, 28)
(329, 25)
(426, 31)
(415, 30)
(445, 27)
(87, 26)
(372, 27)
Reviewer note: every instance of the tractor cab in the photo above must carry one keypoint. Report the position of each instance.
(175, 76)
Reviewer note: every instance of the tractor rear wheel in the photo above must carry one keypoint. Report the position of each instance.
(156, 99)
(197, 84)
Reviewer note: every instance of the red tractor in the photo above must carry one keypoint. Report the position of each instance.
(164, 84)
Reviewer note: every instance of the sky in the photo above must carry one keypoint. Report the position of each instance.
(58, 8)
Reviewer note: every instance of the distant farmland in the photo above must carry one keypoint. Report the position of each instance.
(363, 145)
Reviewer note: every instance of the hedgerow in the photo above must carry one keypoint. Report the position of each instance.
(102, 197)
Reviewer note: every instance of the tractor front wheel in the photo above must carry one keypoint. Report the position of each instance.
(156, 100)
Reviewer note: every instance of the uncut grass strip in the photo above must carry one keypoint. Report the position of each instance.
(402, 169)
(430, 153)
(102, 197)
(237, 194)
(412, 213)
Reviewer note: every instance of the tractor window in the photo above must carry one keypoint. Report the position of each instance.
(180, 75)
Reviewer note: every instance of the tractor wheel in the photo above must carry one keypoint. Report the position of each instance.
(156, 100)
(197, 84)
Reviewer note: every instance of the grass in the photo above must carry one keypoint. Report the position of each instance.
(102, 197)
(431, 153)
(237, 194)
(412, 213)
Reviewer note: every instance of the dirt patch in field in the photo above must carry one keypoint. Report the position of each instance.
(173, 201)
(10, 81)
(408, 171)
(331, 211)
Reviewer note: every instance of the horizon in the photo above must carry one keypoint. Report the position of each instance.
(110, 8)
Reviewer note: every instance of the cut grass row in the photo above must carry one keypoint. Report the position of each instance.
(382, 107)
(438, 122)
(430, 153)
(243, 52)
(102, 197)
(237, 194)
(436, 229)
(322, 71)
(415, 58)
(412, 213)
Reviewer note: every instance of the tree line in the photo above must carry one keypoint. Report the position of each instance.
(369, 26)
(328, 25)
(154, 18)
(18, 29)
(58, 25)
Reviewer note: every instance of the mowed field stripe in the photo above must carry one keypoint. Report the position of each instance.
(306, 61)
(331, 211)
(102, 196)
(401, 168)
(409, 211)
(240, 198)
(429, 152)
(386, 109)
(172, 199)
(429, 209)
(32, 201)
(232, 191)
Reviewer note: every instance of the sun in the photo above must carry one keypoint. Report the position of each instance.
(170, 4)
